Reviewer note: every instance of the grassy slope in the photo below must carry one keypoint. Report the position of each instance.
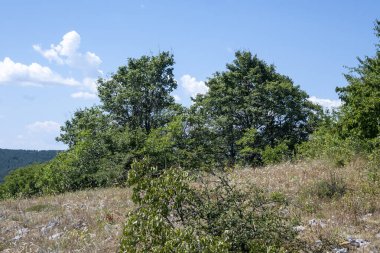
(91, 221)
(86, 221)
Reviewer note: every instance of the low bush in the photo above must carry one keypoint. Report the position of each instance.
(327, 144)
(332, 187)
(277, 154)
(374, 165)
(22, 182)
(179, 212)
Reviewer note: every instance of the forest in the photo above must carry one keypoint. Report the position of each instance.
(11, 159)
(177, 161)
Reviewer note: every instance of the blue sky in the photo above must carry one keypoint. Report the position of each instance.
(51, 52)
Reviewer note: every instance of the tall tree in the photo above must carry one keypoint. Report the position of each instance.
(251, 98)
(138, 95)
(92, 120)
(361, 97)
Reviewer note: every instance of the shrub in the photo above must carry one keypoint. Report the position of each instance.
(326, 143)
(22, 182)
(179, 212)
(333, 187)
(277, 154)
(374, 166)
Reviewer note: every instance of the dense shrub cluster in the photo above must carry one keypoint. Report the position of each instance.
(178, 213)
(354, 130)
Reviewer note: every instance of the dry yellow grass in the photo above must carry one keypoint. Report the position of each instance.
(86, 221)
(91, 221)
(356, 214)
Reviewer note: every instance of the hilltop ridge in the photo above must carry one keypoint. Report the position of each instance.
(14, 158)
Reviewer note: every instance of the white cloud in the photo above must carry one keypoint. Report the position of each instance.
(44, 126)
(39, 135)
(66, 52)
(177, 98)
(34, 73)
(192, 86)
(84, 95)
(90, 83)
(327, 103)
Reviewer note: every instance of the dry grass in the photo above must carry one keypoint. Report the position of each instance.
(86, 221)
(91, 221)
(356, 214)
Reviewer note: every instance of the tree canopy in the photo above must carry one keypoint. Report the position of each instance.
(251, 100)
(250, 115)
(138, 94)
(361, 97)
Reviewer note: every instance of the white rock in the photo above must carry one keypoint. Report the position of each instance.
(49, 226)
(357, 242)
(299, 228)
(340, 250)
(314, 222)
(17, 237)
(55, 236)
(20, 233)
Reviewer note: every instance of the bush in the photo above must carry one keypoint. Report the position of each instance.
(22, 182)
(326, 143)
(333, 187)
(374, 165)
(277, 154)
(178, 212)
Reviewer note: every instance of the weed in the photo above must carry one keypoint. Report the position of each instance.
(38, 208)
(332, 187)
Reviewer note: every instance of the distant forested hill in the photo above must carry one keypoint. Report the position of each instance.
(11, 159)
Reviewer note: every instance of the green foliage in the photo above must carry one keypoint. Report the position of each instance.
(249, 112)
(87, 123)
(250, 152)
(167, 146)
(374, 165)
(361, 97)
(12, 159)
(38, 208)
(165, 198)
(250, 95)
(138, 95)
(177, 213)
(277, 154)
(253, 154)
(333, 187)
(22, 182)
(327, 143)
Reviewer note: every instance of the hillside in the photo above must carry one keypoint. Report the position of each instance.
(11, 159)
(91, 221)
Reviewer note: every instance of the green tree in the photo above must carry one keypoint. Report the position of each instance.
(251, 95)
(91, 120)
(361, 97)
(138, 95)
(92, 158)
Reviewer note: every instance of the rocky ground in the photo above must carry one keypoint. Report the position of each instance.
(86, 221)
(350, 220)
(91, 221)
